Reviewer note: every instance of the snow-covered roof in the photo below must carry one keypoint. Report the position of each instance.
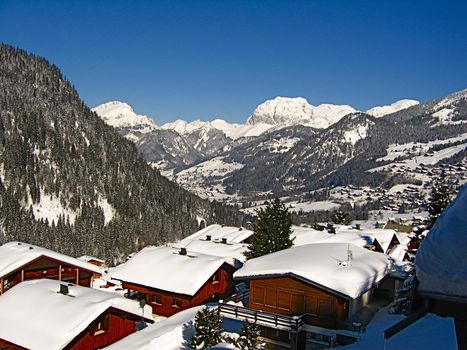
(168, 334)
(217, 232)
(229, 250)
(165, 269)
(35, 315)
(440, 261)
(88, 258)
(322, 264)
(13, 255)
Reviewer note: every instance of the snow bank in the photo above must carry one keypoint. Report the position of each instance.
(170, 334)
(35, 315)
(440, 262)
(322, 264)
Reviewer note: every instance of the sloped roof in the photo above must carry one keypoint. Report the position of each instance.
(165, 269)
(34, 315)
(14, 255)
(217, 232)
(322, 264)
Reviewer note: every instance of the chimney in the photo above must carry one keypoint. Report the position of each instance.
(63, 289)
(208, 237)
(224, 240)
(182, 251)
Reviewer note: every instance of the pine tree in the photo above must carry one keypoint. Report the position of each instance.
(272, 230)
(440, 199)
(404, 295)
(208, 331)
(340, 218)
(249, 340)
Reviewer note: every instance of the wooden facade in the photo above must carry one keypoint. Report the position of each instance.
(109, 327)
(166, 303)
(379, 248)
(292, 297)
(46, 267)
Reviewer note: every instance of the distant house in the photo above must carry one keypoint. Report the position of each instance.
(218, 232)
(322, 285)
(92, 260)
(48, 315)
(171, 280)
(21, 262)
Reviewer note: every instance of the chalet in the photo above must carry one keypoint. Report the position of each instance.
(21, 262)
(308, 290)
(48, 315)
(172, 280)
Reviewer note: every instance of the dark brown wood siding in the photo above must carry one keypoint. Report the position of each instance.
(291, 297)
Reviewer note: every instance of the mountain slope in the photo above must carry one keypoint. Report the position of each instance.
(70, 182)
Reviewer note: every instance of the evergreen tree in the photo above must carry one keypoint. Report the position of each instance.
(404, 295)
(208, 331)
(272, 230)
(249, 340)
(340, 218)
(439, 200)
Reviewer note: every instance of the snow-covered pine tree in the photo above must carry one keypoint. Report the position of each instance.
(439, 200)
(271, 230)
(208, 331)
(404, 295)
(249, 340)
(340, 218)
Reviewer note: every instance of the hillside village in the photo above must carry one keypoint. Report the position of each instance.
(324, 291)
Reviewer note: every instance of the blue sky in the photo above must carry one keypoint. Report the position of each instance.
(208, 59)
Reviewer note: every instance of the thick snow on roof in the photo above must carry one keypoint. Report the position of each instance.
(217, 232)
(227, 250)
(164, 268)
(324, 264)
(13, 255)
(440, 262)
(169, 334)
(88, 258)
(35, 315)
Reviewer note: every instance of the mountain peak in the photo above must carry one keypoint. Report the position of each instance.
(285, 111)
(380, 111)
(121, 115)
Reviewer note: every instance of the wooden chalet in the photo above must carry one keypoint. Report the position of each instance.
(171, 280)
(48, 315)
(92, 260)
(299, 291)
(22, 262)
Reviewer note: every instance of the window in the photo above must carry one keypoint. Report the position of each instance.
(177, 303)
(157, 299)
(216, 278)
(102, 326)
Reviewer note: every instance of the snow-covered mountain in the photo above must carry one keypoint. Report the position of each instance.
(287, 111)
(380, 111)
(121, 115)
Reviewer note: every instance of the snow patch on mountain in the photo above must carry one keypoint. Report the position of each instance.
(353, 136)
(50, 208)
(285, 111)
(121, 115)
(380, 111)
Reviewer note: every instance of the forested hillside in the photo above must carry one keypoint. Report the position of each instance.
(70, 182)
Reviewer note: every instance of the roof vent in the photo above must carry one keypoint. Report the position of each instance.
(19, 243)
(182, 251)
(64, 289)
(31, 248)
(208, 237)
(224, 240)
